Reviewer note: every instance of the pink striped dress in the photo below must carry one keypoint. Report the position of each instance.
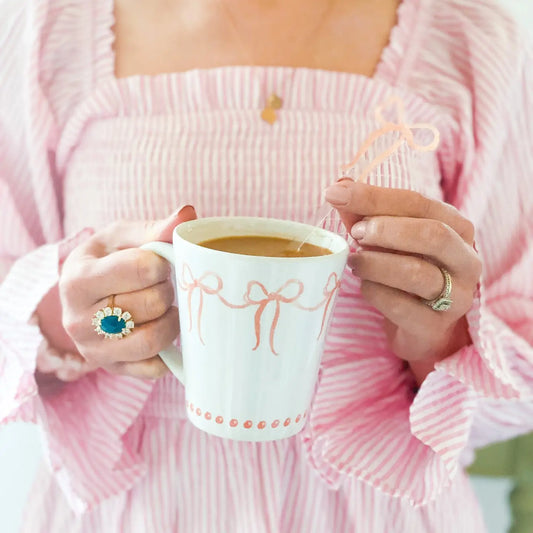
(80, 149)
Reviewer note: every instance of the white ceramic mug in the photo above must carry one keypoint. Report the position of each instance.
(252, 328)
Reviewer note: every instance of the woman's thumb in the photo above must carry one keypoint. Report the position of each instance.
(162, 229)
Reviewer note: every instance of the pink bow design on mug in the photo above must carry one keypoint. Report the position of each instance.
(332, 286)
(406, 134)
(208, 283)
(264, 298)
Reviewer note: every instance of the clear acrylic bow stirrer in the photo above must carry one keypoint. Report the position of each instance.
(406, 132)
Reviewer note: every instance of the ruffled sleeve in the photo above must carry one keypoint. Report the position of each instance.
(86, 423)
(367, 422)
(492, 184)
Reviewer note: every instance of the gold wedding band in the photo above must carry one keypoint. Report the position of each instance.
(442, 302)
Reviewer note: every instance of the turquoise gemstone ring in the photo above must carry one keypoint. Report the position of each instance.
(112, 322)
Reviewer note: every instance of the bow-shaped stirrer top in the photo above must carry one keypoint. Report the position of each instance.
(406, 134)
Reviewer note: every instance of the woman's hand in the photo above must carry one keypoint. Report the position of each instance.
(110, 263)
(404, 238)
(58, 360)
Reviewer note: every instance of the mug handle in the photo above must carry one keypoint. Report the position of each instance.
(171, 356)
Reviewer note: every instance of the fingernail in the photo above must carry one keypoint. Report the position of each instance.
(337, 195)
(352, 258)
(179, 210)
(358, 230)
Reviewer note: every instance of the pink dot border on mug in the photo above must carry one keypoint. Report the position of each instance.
(247, 424)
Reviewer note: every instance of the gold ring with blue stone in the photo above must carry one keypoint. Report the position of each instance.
(112, 322)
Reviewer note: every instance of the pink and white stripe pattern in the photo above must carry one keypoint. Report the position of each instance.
(79, 149)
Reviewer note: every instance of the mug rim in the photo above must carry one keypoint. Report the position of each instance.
(336, 237)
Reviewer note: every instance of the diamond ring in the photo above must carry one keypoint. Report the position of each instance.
(442, 302)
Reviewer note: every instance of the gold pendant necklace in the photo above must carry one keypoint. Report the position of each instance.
(274, 102)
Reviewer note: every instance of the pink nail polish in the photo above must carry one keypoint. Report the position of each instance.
(337, 195)
(180, 209)
(359, 230)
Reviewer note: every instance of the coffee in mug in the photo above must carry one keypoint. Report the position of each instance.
(260, 245)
